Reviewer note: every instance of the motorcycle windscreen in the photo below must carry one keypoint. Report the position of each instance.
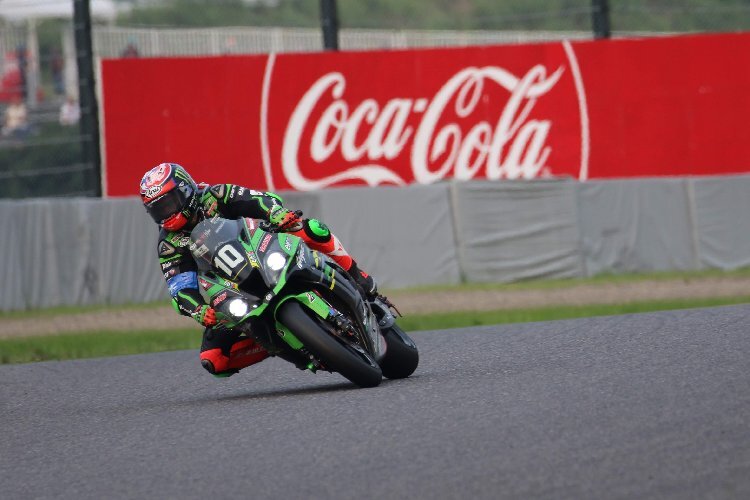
(215, 246)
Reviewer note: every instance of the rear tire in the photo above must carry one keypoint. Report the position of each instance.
(335, 355)
(401, 357)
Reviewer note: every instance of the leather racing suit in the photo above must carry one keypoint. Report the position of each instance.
(224, 352)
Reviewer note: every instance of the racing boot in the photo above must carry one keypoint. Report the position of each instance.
(365, 282)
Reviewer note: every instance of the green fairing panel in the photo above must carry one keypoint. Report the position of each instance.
(288, 337)
(289, 243)
(313, 302)
(257, 236)
(175, 306)
(218, 286)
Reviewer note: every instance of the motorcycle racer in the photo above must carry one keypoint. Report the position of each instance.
(177, 203)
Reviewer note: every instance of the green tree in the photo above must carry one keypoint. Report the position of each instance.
(627, 15)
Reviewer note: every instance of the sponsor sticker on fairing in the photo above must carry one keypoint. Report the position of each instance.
(219, 299)
(252, 258)
(198, 251)
(182, 241)
(264, 243)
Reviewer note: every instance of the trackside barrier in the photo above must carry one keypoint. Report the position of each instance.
(83, 251)
(517, 230)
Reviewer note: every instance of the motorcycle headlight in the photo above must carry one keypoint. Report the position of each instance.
(276, 261)
(238, 308)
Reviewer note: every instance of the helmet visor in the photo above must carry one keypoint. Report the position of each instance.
(169, 204)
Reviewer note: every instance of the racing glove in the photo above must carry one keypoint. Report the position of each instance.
(283, 218)
(205, 315)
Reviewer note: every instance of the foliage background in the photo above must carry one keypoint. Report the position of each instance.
(636, 15)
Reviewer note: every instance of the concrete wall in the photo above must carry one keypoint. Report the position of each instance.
(88, 251)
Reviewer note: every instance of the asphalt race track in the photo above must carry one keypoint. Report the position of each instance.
(638, 406)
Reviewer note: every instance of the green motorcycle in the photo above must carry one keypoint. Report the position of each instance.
(297, 303)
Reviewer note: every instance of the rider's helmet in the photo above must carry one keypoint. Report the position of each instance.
(170, 195)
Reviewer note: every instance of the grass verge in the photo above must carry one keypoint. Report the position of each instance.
(95, 344)
(686, 276)
(109, 343)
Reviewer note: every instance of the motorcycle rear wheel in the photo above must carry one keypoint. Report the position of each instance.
(335, 355)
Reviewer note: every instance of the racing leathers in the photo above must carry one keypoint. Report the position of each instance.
(223, 351)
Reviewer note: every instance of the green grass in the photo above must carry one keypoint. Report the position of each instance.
(600, 279)
(95, 344)
(107, 343)
(65, 310)
(481, 318)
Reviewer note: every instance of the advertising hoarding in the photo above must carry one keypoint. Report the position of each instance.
(671, 106)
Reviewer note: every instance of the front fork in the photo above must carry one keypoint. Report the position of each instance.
(319, 272)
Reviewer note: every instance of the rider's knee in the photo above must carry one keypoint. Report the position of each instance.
(215, 363)
(210, 368)
(317, 231)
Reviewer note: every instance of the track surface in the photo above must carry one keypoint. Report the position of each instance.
(638, 406)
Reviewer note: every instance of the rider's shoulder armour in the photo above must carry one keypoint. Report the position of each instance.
(228, 199)
(212, 199)
(173, 242)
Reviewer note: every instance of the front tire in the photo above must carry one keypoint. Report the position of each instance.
(401, 357)
(335, 355)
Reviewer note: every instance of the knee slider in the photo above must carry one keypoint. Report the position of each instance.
(317, 231)
(205, 363)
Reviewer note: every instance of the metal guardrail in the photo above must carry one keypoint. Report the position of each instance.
(111, 41)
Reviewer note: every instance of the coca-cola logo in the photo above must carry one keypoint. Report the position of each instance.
(482, 122)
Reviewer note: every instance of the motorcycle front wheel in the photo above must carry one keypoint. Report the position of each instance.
(401, 356)
(349, 360)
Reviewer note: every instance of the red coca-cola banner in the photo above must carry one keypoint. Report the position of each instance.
(625, 108)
